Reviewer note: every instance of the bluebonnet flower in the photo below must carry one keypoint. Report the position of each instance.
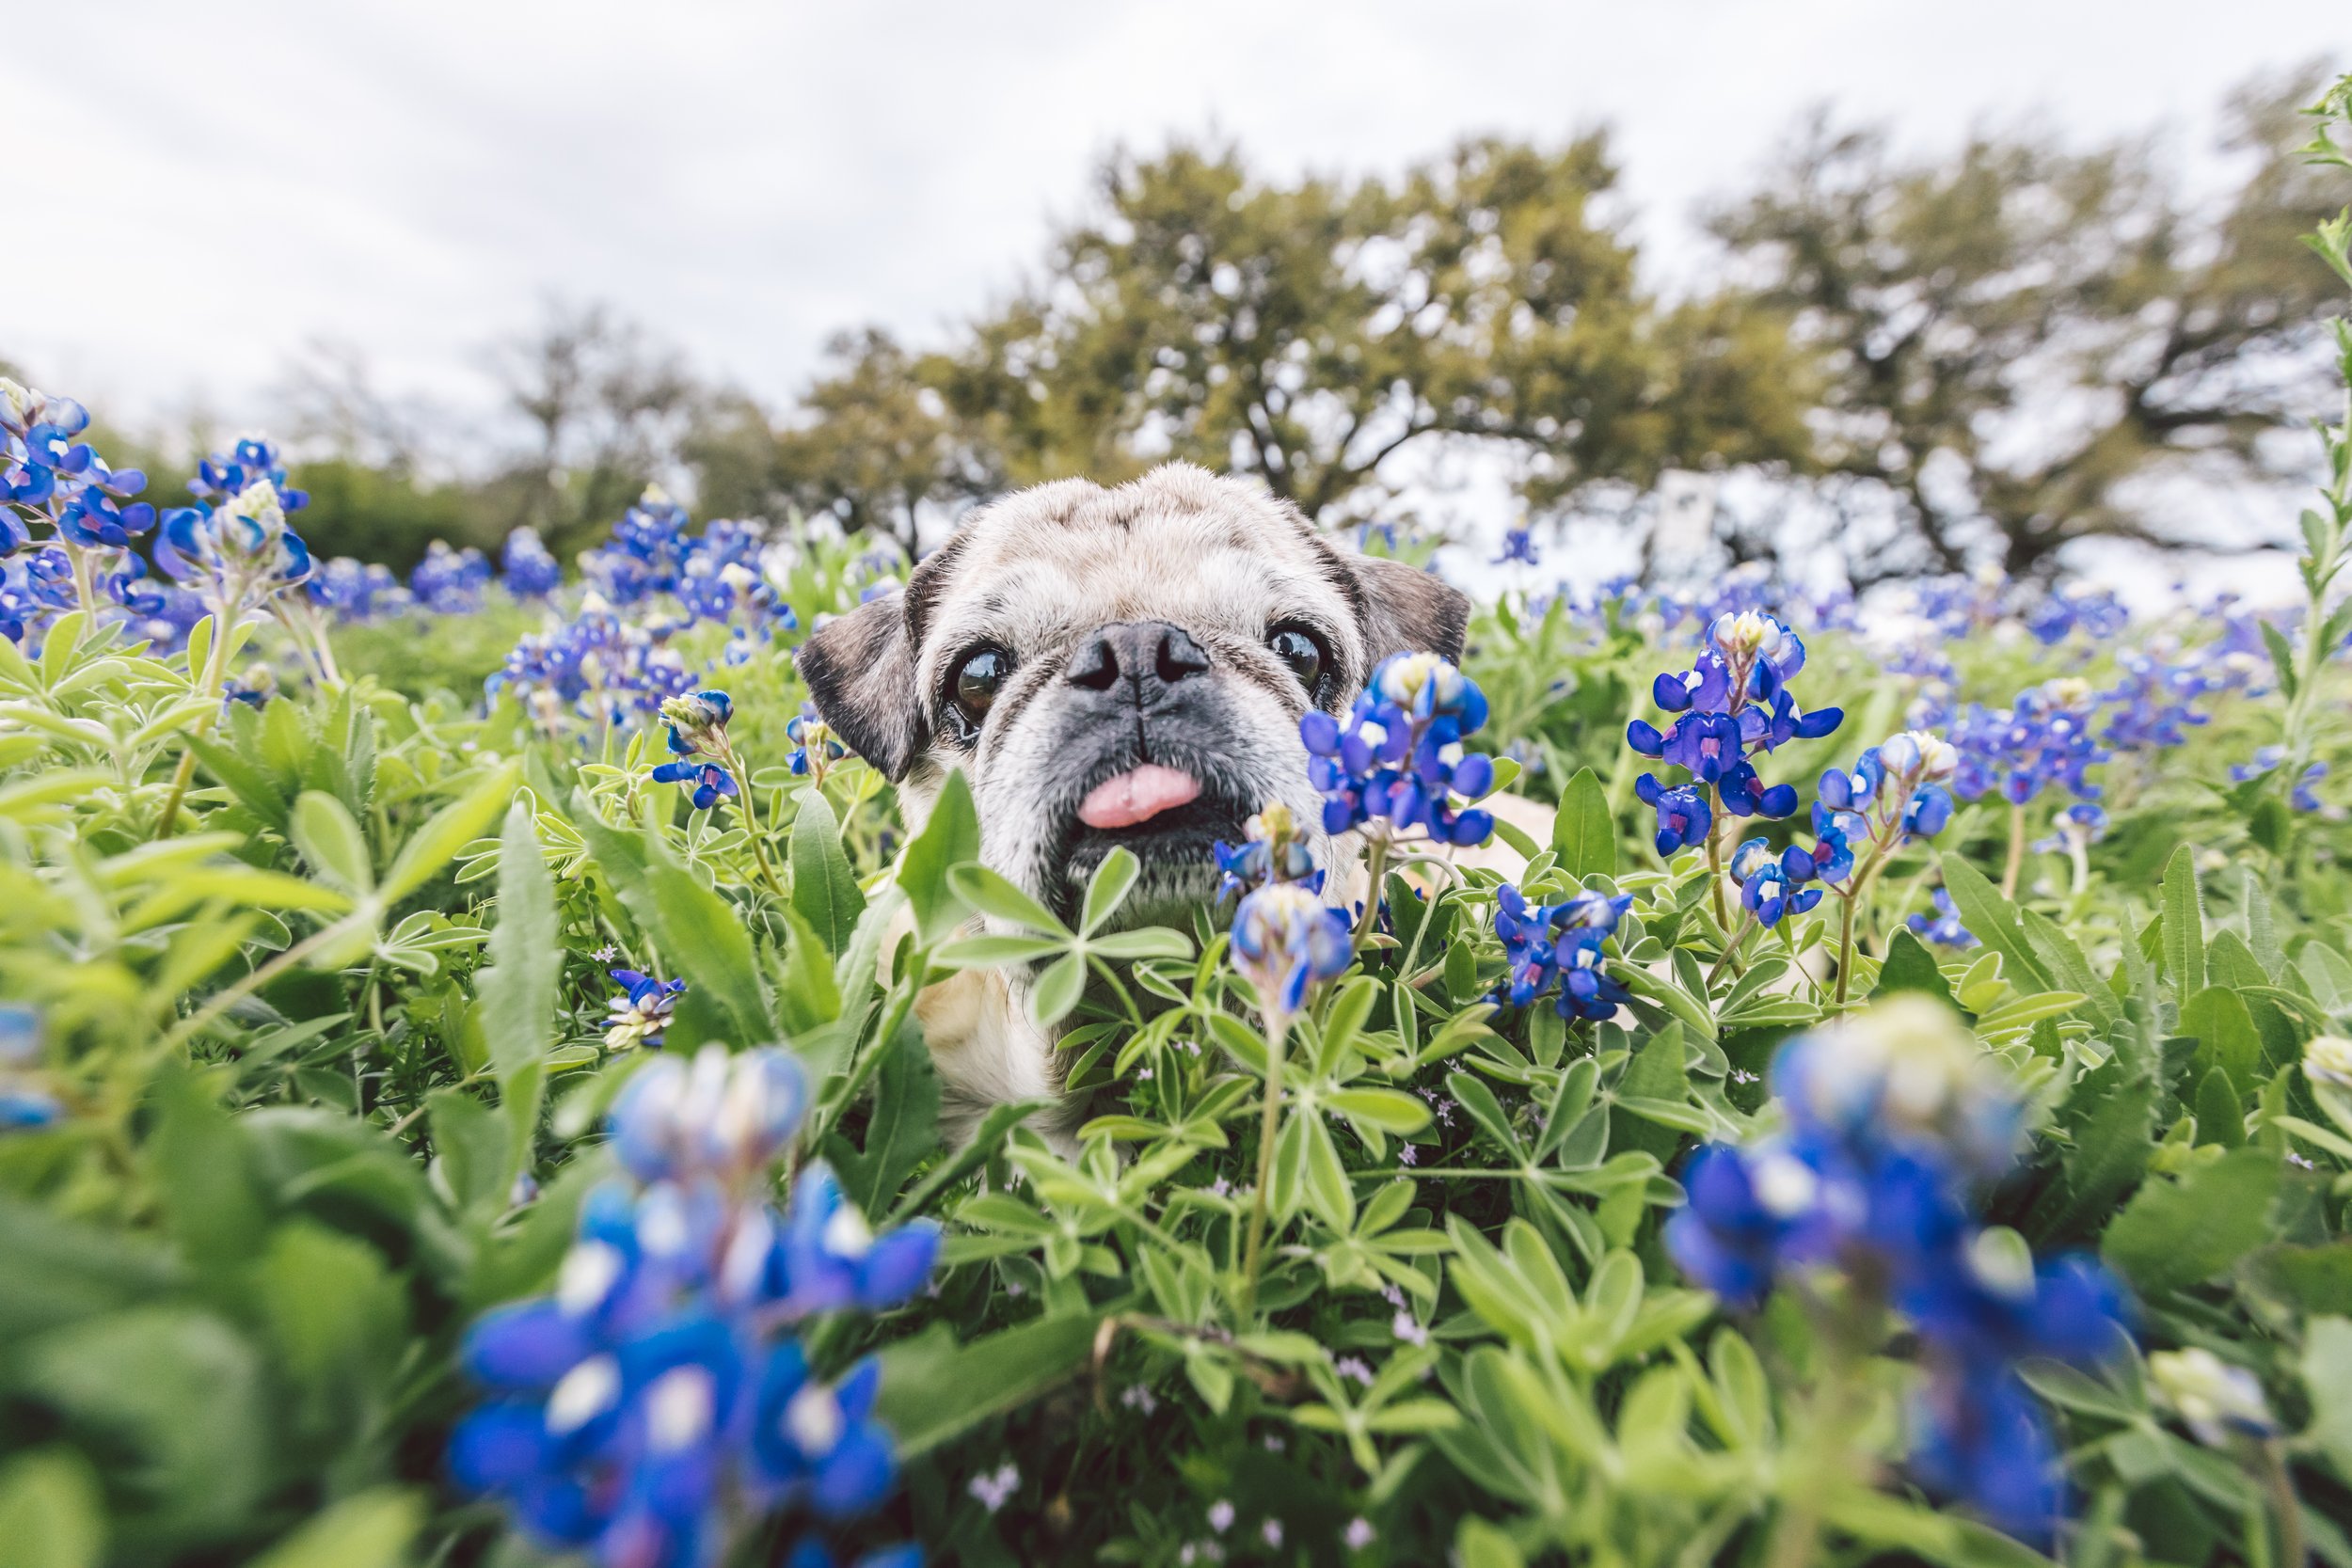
(26, 1103)
(648, 1411)
(2215, 1400)
(814, 745)
(448, 581)
(2078, 826)
(355, 590)
(1772, 886)
(233, 547)
(1893, 1121)
(1518, 545)
(1397, 764)
(1944, 926)
(2041, 738)
(1285, 940)
(831, 1259)
(1736, 697)
(529, 571)
(1683, 813)
(698, 724)
(49, 475)
(2096, 612)
(1272, 850)
(641, 1012)
(1891, 794)
(2266, 759)
(1563, 944)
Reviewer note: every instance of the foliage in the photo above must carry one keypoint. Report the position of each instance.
(348, 1215)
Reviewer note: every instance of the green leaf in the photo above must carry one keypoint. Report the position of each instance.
(1583, 833)
(51, 1513)
(1390, 1110)
(808, 994)
(2327, 1378)
(992, 894)
(950, 838)
(370, 1530)
(2226, 1037)
(2220, 1115)
(1108, 887)
(517, 991)
(697, 929)
(2178, 1233)
(332, 843)
(177, 1397)
(904, 1128)
(2184, 925)
(994, 1128)
(470, 1141)
(1058, 990)
(2281, 658)
(932, 1389)
(1147, 942)
(2111, 1151)
(1994, 921)
(824, 889)
(1910, 966)
(448, 831)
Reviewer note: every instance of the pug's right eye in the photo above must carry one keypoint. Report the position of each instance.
(973, 687)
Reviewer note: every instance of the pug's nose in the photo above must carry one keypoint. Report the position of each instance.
(1149, 652)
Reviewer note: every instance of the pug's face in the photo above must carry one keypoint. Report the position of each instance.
(1120, 667)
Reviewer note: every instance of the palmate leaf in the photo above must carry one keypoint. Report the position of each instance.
(2180, 1232)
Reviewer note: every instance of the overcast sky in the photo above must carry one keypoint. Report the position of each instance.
(204, 187)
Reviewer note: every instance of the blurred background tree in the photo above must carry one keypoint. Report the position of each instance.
(1925, 364)
(2013, 345)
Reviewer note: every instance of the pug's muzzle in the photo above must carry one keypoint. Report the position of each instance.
(1142, 759)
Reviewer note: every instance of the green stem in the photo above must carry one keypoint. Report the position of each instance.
(1747, 921)
(1845, 945)
(2284, 1502)
(216, 675)
(1716, 871)
(751, 820)
(2016, 851)
(1375, 868)
(1269, 1126)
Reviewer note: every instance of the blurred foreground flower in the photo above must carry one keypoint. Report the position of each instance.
(1893, 1121)
(649, 1410)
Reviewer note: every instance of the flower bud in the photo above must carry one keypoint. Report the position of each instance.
(2213, 1399)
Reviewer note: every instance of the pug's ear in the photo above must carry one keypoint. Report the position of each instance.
(1409, 610)
(860, 670)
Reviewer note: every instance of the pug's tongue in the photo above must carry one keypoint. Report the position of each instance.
(1137, 796)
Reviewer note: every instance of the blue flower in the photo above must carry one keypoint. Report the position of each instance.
(828, 1257)
(1944, 926)
(1272, 850)
(1565, 944)
(1285, 939)
(1683, 813)
(641, 1012)
(1398, 758)
(1771, 887)
(814, 745)
(529, 571)
(1518, 545)
(1893, 1121)
(649, 1410)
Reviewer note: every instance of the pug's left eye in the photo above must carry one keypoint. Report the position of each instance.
(1301, 649)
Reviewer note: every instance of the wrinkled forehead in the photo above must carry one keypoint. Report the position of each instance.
(1034, 579)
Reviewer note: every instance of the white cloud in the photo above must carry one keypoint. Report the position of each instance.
(233, 179)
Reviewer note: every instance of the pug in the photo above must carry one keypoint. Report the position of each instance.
(1111, 667)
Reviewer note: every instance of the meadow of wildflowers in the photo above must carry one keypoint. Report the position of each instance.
(462, 1098)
